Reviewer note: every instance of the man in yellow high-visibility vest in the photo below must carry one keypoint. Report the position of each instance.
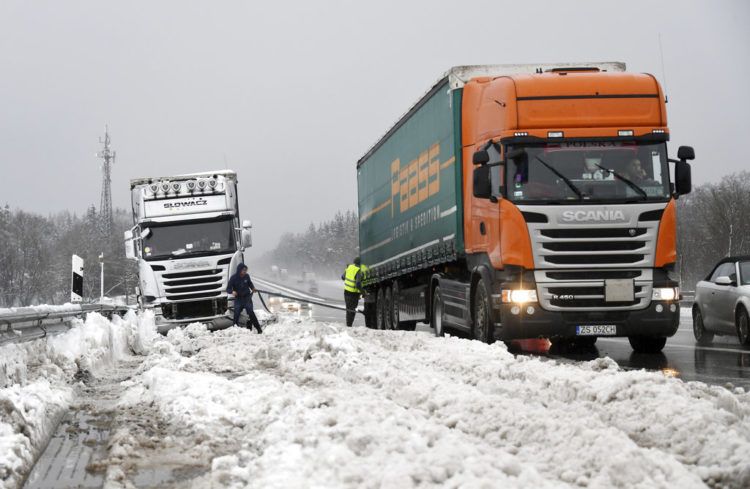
(352, 278)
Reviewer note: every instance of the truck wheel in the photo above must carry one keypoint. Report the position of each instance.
(702, 335)
(395, 313)
(482, 328)
(380, 310)
(436, 318)
(743, 327)
(647, 344)
(388, 308)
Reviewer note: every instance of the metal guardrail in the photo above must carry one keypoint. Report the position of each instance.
(27, 325)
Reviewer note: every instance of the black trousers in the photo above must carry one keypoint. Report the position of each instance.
(252, 319)
(352, 300)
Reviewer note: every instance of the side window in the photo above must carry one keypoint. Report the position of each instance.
(496, 172)
(725, 269)
(745, 272)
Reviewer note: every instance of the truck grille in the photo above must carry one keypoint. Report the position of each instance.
(572, 260)
(195, 284)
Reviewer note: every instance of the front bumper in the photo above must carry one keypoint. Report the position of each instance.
(547, 324)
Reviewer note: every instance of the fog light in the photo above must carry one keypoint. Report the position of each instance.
(530, 310)
(515, 310)
(659, 308)
(665, 294)
(673, 307)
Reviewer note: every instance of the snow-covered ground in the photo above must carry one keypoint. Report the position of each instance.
(38, 380)
(308, 404)
(318, 405)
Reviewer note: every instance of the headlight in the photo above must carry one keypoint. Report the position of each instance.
(519, 296)
(665, 294)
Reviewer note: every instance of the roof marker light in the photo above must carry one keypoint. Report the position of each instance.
(625, 132)
(520, 134)
(201, 184)
(555, 134)
(176, 187)
(191, 185)
(154, 188)
(165, 187)
(212, 183)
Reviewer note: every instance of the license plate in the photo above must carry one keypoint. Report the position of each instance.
(619, 290)
(596, 330)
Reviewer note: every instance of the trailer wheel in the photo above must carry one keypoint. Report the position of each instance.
(388, 308)
(379, 310)
(436, 318)
(482, 328)
(394, 310)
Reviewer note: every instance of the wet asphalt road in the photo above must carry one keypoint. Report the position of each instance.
(725, 362)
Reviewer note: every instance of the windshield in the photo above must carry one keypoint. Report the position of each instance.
(588, 171)
(176, 240)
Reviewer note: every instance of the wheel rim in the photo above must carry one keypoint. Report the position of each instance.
(698, 325)
(743, 326)
(437, 314)
(480, 316)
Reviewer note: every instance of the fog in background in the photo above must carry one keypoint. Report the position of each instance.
(291, 94)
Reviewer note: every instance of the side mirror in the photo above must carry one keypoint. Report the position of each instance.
(247, 238)
(145, 232)
(481, 157)
(482, 182)
(685, 153)
(724, 280)
(683, 177)
(129, 246)
(246, 224)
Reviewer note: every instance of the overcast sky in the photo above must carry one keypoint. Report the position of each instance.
(291, 94)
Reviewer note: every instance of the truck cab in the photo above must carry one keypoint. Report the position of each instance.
(187, 239)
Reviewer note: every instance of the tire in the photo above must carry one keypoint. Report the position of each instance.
(395, 314)
(702, 335)
(647, 344)
(388, 308)
(743, 327)
(482, 328)
(436, 318)
(380, 310)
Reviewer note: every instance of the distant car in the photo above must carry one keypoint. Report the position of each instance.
(722, 301)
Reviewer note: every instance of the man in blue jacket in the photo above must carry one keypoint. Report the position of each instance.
(242, 288)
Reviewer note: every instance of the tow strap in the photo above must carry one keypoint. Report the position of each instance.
(317, 303)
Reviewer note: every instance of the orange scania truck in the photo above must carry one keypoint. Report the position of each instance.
(527, 201)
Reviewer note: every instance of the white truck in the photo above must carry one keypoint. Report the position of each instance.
(188, 240)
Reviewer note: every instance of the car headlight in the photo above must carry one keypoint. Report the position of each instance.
(665, 293)
(519, 296)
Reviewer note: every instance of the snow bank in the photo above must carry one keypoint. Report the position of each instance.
(37, 379)
(40, 309)
(309, 404)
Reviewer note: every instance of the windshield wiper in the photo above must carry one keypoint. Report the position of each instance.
(627, 181)
(565, 179)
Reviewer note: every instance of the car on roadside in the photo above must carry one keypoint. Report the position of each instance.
(722, 301)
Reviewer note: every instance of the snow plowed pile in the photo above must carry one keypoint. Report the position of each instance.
(37, 381)
(309, 404)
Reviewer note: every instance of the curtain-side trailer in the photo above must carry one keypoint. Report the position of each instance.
(526, 201)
